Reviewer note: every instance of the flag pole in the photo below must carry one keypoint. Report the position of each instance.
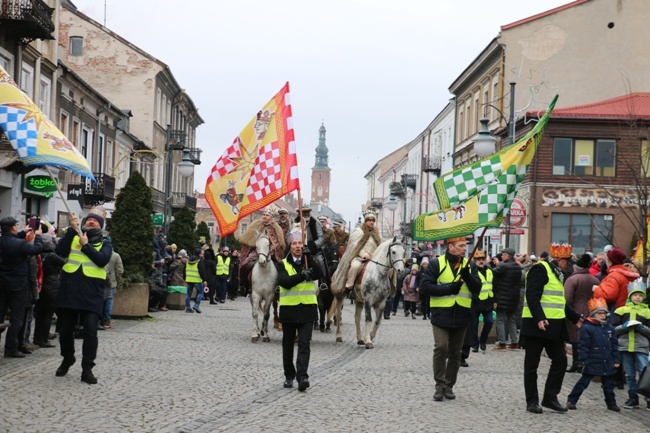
(58, 189)
(302, 225)
(476, 244)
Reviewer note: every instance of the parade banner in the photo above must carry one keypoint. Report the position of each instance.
(258, 168)
(478, 195)
(33, 136)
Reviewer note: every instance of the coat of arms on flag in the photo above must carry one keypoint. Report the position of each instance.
(36, 140)
(259, 167)
(478, 195)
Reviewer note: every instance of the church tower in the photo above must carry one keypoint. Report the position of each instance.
(320, 173)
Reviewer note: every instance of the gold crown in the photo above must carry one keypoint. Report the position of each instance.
(264, 116)
(479, 254)
(596, 303)
(562, 251)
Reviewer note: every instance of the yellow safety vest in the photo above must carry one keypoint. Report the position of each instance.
(77, 258)
(223, 267)
(463, 298)
(303, 293)
(192, 273)
(486, 288)
(553, 300)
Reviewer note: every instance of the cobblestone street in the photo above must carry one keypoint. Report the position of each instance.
(179, 372)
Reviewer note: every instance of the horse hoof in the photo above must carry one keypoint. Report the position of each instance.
(255, 339)
(266, 339)
(360, 342)
(369, 346)
(339, 339)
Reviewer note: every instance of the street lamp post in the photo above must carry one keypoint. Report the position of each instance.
(185, 169)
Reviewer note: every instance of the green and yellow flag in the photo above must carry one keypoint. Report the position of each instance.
(478, 195)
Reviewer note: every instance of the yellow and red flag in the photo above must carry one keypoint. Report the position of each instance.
(36, 140)
(259, 167)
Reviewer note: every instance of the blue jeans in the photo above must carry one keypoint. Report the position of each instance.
(108, 307)
(506, 327)
(199, 295)
(487, 327)
(583, 383)
(633, 363)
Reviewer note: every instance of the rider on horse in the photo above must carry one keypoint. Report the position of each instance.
(248, 256)
(362, 244)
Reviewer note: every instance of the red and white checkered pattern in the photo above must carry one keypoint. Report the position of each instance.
(225, 163)
(266, 175)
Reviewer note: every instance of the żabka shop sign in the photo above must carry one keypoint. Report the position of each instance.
(40, 184)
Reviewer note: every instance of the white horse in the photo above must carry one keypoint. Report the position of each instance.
(378, 280)
(264, 279)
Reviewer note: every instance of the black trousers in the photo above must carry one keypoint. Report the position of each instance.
(13, 298)
(555, 351)
(67, 320)
(289, 331)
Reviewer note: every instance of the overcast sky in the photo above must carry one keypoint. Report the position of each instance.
(375, 71)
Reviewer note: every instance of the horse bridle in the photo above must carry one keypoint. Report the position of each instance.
(269, 241)
(388, 255)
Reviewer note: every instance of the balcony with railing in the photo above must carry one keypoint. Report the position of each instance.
(181, 199)
(432, 164)
(99, 191)
(27, 20)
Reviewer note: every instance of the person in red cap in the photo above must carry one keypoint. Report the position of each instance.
(613, 288)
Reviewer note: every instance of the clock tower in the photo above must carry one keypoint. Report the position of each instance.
(320, 173)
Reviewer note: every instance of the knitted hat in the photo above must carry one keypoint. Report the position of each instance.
(414, 266)
(97, 213)
(616, 256)
(544, 255)
(635, 287)
(294, 235)
(584, 261)
(595, 305)
(182, 253)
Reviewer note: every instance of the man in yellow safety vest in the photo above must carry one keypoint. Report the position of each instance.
(81, 293)
(450, 282)
(298, 309)
(543, 327)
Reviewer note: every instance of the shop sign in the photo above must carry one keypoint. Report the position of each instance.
(41, 185)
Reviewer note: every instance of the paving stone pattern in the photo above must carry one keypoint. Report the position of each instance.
(179, 372)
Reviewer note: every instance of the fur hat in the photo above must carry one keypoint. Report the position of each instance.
(295, 234)
(267, 212)
(635, 287)
(584, 261)
(616, 255)
(595, 305)
(369, 215)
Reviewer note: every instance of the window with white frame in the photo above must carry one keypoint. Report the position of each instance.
(44, 97)
(27, 80)
(6, 60)
(159, 105)
(163, 109)
(87, 144)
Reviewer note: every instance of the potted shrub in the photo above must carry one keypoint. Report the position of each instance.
(132, 233)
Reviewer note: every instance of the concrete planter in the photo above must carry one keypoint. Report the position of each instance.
(132, 302)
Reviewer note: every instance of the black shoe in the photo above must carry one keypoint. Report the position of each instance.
(288, 383)
(303, 385)
(102, 328)
(574, 368)
(570, 406)
(14, 355)
(43, 344)
(439, 394)
(483, 347)
(424, 317)
(463, 363)
(613, 407)
(449, 394)
(554, 405)
(475, 349)
(631, 403)
(88, 376)
(386, 317)
(64, 367)
(213, 303)
(534, 408)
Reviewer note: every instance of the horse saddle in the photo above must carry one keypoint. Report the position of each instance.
(362, 271)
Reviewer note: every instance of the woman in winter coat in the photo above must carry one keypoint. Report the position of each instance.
(52, 265)
(577, 290)
(410, 292)
(613, 288)
(176, 275)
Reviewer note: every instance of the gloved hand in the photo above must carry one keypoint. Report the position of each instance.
(308, 274)
(306, 251)
(454, 288)
(627, 326)
(465, 273)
